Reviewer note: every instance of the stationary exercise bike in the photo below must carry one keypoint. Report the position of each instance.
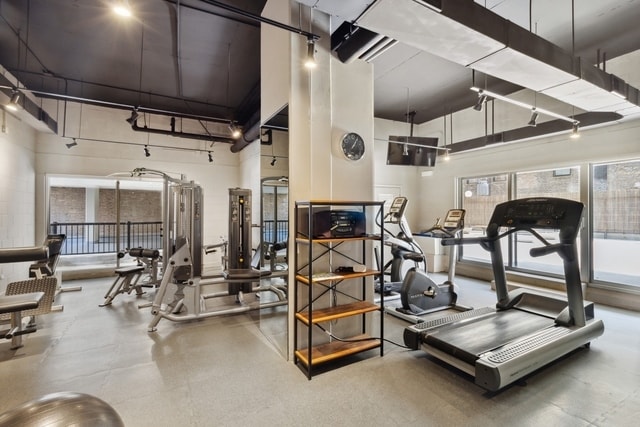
(406, 253)
(419, 294)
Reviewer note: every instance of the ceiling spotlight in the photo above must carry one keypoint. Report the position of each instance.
(235, 131)
(575, 132)
(147, 153)
(273, 161)
(134, 117)
(71, 144)
(210, 157)
(533, 119)
(482, 99)
(310, 62)
(122, 8)
(13, 105)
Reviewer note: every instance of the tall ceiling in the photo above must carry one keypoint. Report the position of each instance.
(192, 57)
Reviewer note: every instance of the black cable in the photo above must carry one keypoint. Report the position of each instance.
(361, 339)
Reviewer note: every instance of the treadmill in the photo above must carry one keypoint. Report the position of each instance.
(526, 329)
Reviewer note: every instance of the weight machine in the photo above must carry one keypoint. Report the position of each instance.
(180, 297)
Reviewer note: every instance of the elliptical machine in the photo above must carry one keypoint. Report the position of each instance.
(419, 294)
(406, 253)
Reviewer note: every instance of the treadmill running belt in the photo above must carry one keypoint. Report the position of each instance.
(467, 340)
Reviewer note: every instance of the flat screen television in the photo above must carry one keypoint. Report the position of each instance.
(412, 151)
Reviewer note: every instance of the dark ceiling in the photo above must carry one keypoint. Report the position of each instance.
(184, 56)
(192, 57)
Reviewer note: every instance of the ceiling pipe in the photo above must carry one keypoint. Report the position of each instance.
(188, 135)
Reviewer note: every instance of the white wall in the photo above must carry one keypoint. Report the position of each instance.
(17, 193)
(107, 145)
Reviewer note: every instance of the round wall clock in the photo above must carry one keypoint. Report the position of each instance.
(352, 146)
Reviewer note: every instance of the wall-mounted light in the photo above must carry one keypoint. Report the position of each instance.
(310, 61)
(446, 155)
(533, 121)
(147, 153)
(122, 8)
(575, 131)
(269, 134)
(482, 99)
(134, 116)
(210, 157)
(13, 105)
(235, 131)
(71, 144)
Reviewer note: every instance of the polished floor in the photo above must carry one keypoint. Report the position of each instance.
(225, 371)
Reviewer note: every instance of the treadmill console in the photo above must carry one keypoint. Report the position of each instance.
(538, 212)
(454, 219)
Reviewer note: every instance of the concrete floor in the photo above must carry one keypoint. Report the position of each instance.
(224, 372)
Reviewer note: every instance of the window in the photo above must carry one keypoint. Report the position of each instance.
(561, 183)
(480, 196)
(615, 194)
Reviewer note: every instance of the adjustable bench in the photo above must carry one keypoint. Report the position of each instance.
(128, 277)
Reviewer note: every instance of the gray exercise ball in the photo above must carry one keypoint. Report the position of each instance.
(62, 409)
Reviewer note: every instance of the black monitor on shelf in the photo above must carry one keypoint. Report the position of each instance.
(412, 151)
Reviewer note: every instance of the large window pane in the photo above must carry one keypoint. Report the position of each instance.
(480, 197)
(615, 190)
(561, 183)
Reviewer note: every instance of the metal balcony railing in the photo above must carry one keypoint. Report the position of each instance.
(100, 237)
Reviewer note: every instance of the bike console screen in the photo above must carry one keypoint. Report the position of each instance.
(538, 212)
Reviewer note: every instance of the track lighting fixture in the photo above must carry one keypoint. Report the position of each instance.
(522, 104)
(13, 105)
(122, 8)
(210, 157)
(575, 132)
(482, 99)
(533, 119)
(72, 144)
(134, 116)
(147, 153)
(235, 131)
(273, 161)
(310, 61)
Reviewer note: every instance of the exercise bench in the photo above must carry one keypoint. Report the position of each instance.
(128, 277)
(25, 299)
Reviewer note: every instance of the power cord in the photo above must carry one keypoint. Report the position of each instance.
(361, 339)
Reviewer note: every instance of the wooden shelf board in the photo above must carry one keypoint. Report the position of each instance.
(337, 239)
(338, 312)
(331, 276)
(336, 349)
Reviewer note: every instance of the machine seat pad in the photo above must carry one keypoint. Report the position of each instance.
(124, 271)
(21, 302)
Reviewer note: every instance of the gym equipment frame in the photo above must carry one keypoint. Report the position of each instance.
(526, 330)
(180, 296)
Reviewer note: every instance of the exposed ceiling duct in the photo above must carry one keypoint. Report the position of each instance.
(468, 34)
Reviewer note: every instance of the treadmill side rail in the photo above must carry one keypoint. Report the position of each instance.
(497, 369)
